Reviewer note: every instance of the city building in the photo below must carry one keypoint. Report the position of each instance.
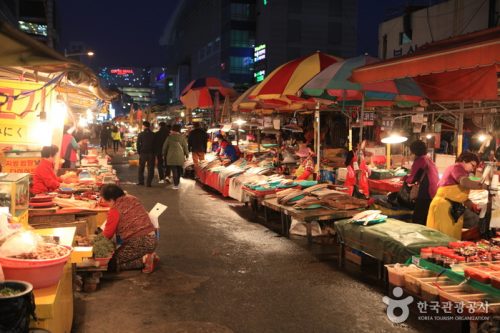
(241, 41)
(290, 29)
(34, 17)
(419, 25)
(211, 38)
(140, 86)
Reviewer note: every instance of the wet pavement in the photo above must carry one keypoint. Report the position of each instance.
(221, 272)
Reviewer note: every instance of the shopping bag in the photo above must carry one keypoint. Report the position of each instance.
(300, 228)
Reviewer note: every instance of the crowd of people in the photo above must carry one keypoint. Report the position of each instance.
(168, 149)
(434, 199)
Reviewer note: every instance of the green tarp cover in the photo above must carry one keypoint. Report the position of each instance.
(391, 242)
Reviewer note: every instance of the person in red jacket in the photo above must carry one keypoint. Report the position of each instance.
(44, 178)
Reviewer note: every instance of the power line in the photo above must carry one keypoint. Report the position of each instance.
(472, 17)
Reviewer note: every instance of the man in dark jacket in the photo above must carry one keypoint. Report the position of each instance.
(160, 138)
(197, 143)
(145, 149)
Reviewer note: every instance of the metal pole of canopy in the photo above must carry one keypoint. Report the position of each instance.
(460, 136)
(317, 117)
(361, 117)
(258, 139)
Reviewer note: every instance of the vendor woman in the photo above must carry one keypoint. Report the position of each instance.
(129, 220)
(305, 171)
(455, 186)
(44, 177)
(357, 172)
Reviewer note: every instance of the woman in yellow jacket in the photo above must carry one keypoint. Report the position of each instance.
(454, 186)
(117, 138)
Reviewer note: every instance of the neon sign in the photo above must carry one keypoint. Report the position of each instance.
(259, 75)
(121, 71)
(259, 52)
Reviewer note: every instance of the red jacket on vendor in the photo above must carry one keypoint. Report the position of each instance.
(351, 180)
(44, 177)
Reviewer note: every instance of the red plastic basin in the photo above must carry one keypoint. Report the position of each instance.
(40, 273)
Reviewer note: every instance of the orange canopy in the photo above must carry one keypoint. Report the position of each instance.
(460, 68)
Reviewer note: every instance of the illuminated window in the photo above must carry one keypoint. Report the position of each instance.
(242, 11)
(33, 28)
(242, 38)
(240, 65)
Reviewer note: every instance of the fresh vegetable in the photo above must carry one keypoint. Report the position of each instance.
(4, 292)
(102, 247)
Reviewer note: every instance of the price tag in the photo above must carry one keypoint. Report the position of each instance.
(415, 261)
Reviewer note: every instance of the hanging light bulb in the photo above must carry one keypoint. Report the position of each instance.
(394, 138)
(240, 122)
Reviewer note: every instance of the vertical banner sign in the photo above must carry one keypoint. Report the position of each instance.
(19, 110)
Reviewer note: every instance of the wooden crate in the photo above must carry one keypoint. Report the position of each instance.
(81, 226)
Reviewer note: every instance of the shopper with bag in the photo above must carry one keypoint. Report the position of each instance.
(447, 207)
(175, 150)
(423, 180)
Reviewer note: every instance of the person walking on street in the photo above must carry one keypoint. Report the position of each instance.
(160, 138)
(117, 138)
(176, 151)
(104, 135)
(145, 149)
(197, 143)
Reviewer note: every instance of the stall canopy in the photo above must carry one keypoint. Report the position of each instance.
(280, 89)
(459, 68)
(24, 58)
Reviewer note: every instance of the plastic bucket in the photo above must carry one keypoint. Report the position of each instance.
(40, 273)
(15, 311)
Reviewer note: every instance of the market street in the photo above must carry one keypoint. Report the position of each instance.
(221, 273)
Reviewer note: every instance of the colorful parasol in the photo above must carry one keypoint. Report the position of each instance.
(280, 89)
(200, 93)
(334, 84)
(243, 103)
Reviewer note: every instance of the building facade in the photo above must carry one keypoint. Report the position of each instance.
(33, 17)
(404, 34)
(211, 38)
(241, 41)
(288, 29)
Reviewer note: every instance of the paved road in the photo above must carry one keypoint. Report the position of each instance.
(219, 272)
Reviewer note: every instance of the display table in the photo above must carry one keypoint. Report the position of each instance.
(398, 214)
(68, 217)
(390, 242)
(54, 305)
(305, 215)
(384, 186)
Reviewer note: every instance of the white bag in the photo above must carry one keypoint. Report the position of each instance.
(495, 213)
(300, 228)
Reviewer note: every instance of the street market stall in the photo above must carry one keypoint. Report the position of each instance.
(41, 91)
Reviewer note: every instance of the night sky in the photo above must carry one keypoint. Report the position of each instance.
(120, 32)
(126, 32)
